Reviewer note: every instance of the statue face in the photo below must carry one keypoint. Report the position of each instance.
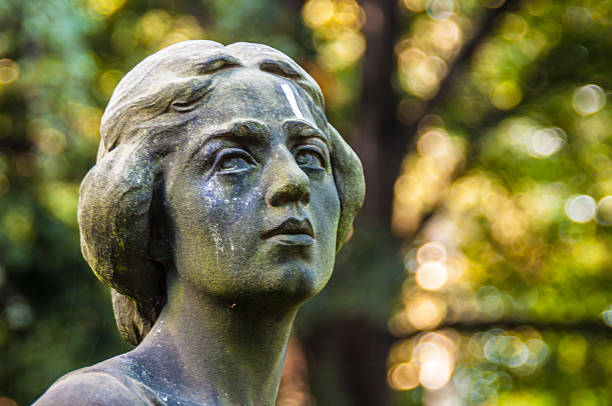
(251, 197)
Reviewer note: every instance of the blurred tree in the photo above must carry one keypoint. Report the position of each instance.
(503, 206)
(59, 63)
(483, 126)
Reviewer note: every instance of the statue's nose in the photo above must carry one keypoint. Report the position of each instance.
(288, 183)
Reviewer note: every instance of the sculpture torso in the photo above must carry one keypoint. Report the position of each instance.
(119, 380)
(219, 199)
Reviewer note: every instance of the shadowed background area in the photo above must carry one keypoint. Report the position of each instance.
(479, 271)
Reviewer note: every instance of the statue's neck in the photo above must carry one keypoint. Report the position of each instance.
(223, 354)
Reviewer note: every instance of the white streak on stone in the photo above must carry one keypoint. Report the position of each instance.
(291, 99)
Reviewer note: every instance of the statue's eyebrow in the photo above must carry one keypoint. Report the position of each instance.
(280, 68)
(217, 63)
(252, 129)
(302, 128)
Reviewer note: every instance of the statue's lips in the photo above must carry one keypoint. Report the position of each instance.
(292, 231)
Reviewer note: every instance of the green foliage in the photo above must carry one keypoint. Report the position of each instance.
(59, 62)
(520, 311)
(510, 184)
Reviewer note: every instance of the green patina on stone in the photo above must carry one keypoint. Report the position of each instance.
(219, 199)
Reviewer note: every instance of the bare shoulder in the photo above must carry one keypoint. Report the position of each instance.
(95, 388)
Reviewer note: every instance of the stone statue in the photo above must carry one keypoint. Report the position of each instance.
(219, 199)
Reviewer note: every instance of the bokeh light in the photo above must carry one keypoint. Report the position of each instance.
(404, 376)
(513, 27)
(508, 240)
(105, 8)
(431, 252)
(506, 95)
(588, 99)
(580, 208)
(572, 353)
(426, 312)
(436, 365)
(9, 71)
(427, 360)
(546, 142)
(431, 275)
(604, 211)
(490, 302)
(415, 5)
(337, 26)
(440, 9)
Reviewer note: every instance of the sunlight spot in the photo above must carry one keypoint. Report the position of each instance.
(426, 312)
(537, 7)
(404, 376)
(489, 301)
(538, 352)
(546, 142)
(105, 7)
(153, 25)
(604, 211)
(9, 71)
(512, 351)
(434, 143)
(440, 9)
(506, 95)
(431, 275)
(108, 80)
(436, 364)
(571, 352)
(580, 208)
(343, 51)
(317, 12)
(513, 27)
(415, 5)
(51, 141)
(445, 35)
(431, 251)
(588, 99)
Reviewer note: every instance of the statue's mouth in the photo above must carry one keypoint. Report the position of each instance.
(291, 226)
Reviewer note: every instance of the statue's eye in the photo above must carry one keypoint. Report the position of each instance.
(233, 160)
(309, 157)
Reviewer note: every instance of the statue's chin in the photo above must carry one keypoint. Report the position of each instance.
(280, 289)
(301, 283)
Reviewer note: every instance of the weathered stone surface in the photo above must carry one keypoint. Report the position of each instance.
(218, 201)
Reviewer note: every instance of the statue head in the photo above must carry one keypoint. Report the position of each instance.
(218, 167)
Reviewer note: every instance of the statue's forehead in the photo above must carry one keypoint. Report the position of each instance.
(251, 94)
(261, 108)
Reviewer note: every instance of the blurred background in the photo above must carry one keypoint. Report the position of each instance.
(480, 268)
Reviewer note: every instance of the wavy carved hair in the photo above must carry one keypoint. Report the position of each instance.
(138, 131)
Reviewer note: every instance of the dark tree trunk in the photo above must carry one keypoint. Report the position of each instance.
(376, 140)
(356, 345)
